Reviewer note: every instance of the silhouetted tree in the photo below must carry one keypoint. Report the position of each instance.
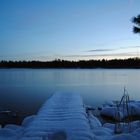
(115, 63)
(136, 20)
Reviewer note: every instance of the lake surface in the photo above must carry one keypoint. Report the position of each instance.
(25, 90)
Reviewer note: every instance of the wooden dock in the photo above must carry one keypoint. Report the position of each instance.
(62, 117)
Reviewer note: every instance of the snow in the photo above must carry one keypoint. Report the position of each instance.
(64, 117)
(102, 132)
(136, 133)
(28, 120)
(33, 138)
(5, 132)
(109, 125)
(124, 137)
(8, 138)
(109, 109)
(8, 134)
(94, 122)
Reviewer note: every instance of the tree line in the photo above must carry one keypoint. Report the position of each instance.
(114, 63)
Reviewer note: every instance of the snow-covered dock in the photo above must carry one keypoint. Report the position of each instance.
(63, 115)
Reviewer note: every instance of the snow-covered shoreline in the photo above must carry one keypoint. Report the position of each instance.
(110, 108)
(65, 117)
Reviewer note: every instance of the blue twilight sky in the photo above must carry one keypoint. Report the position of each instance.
(68, 29)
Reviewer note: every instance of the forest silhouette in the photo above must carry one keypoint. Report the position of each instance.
(114, 63)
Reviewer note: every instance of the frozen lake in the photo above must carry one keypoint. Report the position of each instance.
(25, 90)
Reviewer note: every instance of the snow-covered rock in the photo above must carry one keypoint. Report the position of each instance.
(109, 104)
(28, 120)
(110, 126)
(5, 132)
(124, 137)
(8, 134)
(93, 121)
(136, 133)
(33, 138)
(110, 110)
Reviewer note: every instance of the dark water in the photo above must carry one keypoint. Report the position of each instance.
(25, 90)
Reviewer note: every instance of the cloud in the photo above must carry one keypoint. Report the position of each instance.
(100, 50)
(115, 49)
(131, 54)
(134, 46)
(129, 47)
